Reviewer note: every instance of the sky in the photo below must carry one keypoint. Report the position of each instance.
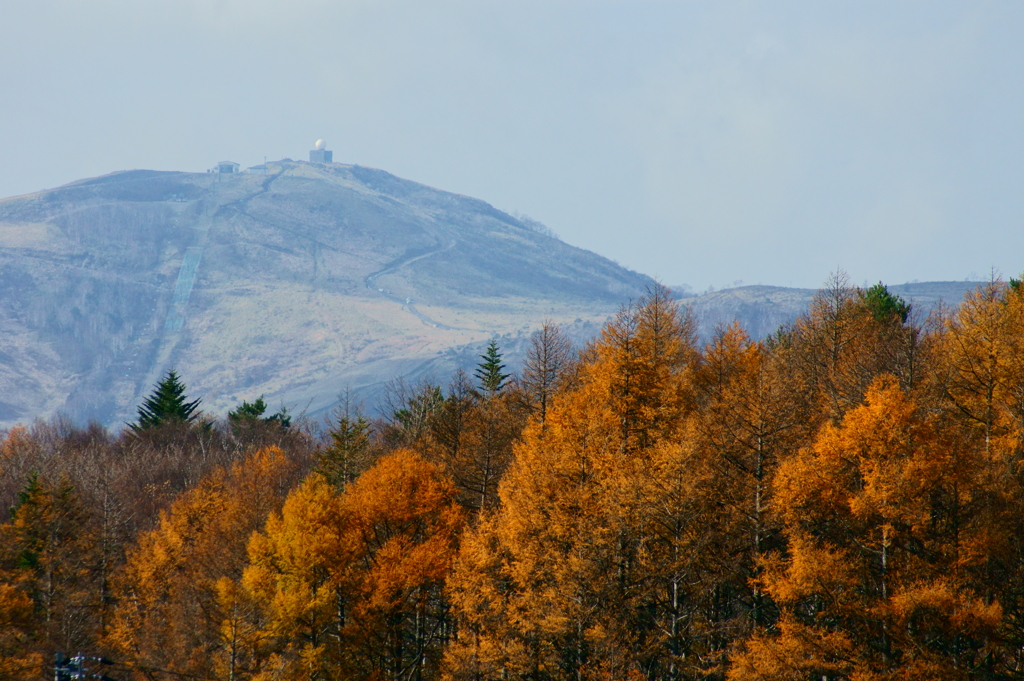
(708, 144)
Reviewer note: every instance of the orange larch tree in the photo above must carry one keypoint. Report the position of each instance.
(846, 340)
(402, 524)
(747, 418)
(351, 584)
(878, 578)
(179, 610)
(48, 567)
(555, 584)
(980, 378)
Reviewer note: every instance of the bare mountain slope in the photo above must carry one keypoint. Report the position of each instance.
(292, 284)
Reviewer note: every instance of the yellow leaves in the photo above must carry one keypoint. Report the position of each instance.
(291, 561)
(402, 523)
(876, 468)
(812, 483)
(881, 543)
(528, 577)
(797, 652)
(341, 578)
(892, 453)
(180, 608)
(16, 624)
(301, 538)
(239, 631)
(815, 569)
(638, 366)
(16, 448)
(982, 352)
(590, 516)
(942, 605)
(48, 560)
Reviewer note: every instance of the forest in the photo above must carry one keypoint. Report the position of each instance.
(840, 501)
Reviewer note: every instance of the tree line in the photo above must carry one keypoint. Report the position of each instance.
(842, 500)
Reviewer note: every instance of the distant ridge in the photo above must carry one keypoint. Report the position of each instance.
(763, 309)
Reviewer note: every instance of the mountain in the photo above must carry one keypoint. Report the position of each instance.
(294, 283)
(763, 309)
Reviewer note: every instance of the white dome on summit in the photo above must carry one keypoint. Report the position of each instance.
(320, 144)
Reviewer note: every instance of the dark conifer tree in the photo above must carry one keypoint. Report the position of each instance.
(884, 305)
(250, 412)
(349, 453)
(489, 371)
(1017, 285)
(167, 402)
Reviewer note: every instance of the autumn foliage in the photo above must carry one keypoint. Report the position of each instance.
(843, 500)
(350, 584)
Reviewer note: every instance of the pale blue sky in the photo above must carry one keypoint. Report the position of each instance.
(701, 142)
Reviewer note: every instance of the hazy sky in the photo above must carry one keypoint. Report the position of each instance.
(701, 142)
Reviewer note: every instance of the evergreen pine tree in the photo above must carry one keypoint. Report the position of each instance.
(489, 371)
(167, 402)
(885, 305)
(250, 412)
(349, 453)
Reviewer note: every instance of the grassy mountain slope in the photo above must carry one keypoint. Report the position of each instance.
(292, 284)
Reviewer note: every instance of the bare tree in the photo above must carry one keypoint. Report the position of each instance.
(549, 359)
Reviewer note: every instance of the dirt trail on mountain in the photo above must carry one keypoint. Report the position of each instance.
(408, 304)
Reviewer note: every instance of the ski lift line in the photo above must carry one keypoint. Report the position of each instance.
(183, 288)
(187, 275)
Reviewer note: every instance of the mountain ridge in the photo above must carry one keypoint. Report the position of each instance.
(295, 284)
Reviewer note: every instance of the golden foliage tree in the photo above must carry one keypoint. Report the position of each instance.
(48, 568)
(180, 610)
(982, 369)
(848, 339)
(351, 584)
(719, 476)
(878, 579)
(18, 660)
(552, 586)
(980, 376)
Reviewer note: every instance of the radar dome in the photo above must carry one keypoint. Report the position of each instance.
(320, 144)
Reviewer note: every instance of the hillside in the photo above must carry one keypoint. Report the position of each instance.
(295, 284)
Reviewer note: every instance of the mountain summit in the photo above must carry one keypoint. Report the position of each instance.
(293, 282)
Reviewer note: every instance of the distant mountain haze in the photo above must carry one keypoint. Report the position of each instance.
(296, 283)
(761, 310)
